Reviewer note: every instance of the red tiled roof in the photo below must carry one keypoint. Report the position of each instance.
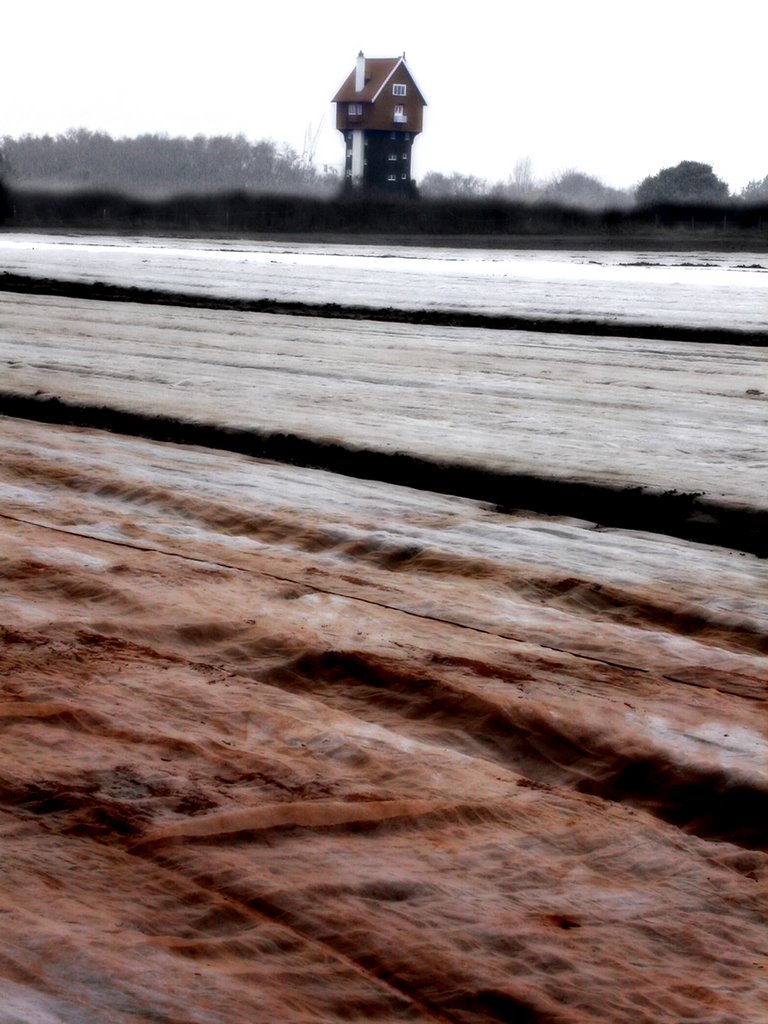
(378, 70)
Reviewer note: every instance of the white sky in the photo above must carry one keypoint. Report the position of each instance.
(613, 88)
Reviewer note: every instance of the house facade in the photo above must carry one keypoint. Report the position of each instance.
(379, 111)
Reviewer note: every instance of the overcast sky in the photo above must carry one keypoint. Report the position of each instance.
(614, 88)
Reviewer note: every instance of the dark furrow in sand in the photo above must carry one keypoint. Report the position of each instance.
(28, 285)
(422, 704)
(709, 803)
(689, 516)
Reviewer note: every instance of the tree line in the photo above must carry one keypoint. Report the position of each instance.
(688, 182)
(158, 164)
(224, 183)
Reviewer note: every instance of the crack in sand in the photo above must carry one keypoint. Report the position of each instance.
(133, 545)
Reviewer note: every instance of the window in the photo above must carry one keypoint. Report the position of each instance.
(393, 156)
(405, 156)
(404, 177)
(398, 90)
(400, 115)
(355, 110)
(391, 177)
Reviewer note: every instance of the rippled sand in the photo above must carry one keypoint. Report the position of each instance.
(284, 746)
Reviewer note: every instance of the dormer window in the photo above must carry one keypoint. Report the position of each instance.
(398, 90)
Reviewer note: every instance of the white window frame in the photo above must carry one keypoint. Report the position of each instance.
(398, 89)
(391, 177)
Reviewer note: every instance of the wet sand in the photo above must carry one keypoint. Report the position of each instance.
(282, 745)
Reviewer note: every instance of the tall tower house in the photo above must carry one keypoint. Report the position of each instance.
(379, 111)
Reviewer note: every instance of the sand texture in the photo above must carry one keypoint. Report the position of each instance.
(284, 746)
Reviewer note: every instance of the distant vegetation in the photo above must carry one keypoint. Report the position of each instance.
(85, 179)
(570, 188)
(158, 164)
(688, 182)
(5, 199)
(161, 165)
(756, 191)
(5, 203)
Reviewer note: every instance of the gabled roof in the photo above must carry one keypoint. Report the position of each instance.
(378, 71)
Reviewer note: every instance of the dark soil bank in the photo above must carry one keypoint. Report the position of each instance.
(685, 515)
(440, 318)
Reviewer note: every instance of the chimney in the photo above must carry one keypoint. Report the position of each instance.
(360, 73)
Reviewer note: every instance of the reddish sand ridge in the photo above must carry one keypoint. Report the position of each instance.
(264, 760)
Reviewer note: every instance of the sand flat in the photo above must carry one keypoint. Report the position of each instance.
(279, 745)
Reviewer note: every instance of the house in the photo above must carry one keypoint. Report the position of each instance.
(379, 111)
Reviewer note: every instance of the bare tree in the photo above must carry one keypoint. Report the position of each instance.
(435, 185)
(158, 163)
(522, 180)
(574, 188)
(755, 191)
(520, 186)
